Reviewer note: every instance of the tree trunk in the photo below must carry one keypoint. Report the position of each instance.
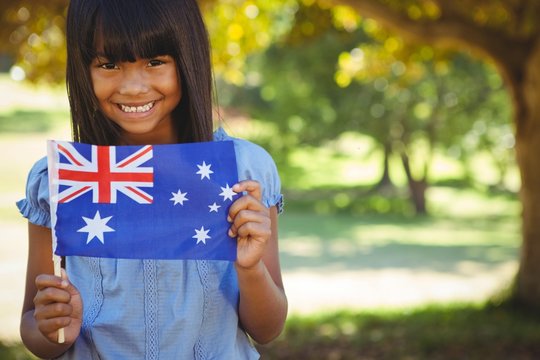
(418, 194)
(384, 181)
(417, 188)
(526, 98)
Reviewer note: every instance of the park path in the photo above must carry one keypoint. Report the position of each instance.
(309, 289)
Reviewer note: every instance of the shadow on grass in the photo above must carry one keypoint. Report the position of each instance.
(347, 242)
(447, 259)
(23, 121)
(434, 333)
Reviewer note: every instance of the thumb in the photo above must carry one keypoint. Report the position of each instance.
(252, 187)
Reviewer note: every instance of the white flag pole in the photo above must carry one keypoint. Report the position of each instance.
(57, 261)
(52, 161)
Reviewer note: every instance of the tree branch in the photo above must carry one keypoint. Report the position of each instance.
(451, 30)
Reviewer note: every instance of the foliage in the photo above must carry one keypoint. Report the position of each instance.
(488, 27)
(35, 33)
(238, 28)
(414, 101)
(357, 201)
(36, 39)
(444, 99)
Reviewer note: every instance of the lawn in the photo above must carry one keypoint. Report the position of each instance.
(435, 333)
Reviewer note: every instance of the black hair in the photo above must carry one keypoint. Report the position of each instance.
(131, 29)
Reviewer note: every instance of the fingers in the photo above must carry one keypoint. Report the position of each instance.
(50, 326)
(52, 311)
(54, 315)
(248, 223)
(248, 216)
(246, 203)
(45, 280)
(52, 303)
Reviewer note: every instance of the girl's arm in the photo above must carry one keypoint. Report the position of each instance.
(50, 302)
(263, 304)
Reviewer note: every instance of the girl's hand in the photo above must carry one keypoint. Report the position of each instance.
(58, 304)
(251, 224)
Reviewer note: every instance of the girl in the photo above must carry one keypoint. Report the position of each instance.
(138, 72)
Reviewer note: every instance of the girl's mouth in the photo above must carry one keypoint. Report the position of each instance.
(137, 109)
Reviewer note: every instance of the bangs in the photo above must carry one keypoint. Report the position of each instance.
(131, 29)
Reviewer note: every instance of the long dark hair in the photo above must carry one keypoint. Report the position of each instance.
(131, 29)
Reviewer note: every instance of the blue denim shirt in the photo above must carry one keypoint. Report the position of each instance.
(159, 309)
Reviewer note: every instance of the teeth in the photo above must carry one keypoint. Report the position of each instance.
(137, 109)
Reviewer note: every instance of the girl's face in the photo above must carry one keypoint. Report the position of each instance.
(139, 97)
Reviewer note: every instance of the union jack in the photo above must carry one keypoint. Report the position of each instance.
(104, 175)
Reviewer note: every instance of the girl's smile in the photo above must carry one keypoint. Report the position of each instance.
(138, 96)
(137, 108)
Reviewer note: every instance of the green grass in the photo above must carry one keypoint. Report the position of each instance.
(446, 245)
(438, 332)
(21, 122)
(14, 351)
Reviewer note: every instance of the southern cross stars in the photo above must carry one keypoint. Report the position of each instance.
(179, 197)
(96, 227)
(204, 170)
(227, 193)
(201, 235)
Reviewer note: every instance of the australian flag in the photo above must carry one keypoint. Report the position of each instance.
(142, 202)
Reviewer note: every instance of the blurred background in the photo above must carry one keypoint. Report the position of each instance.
(394, 125)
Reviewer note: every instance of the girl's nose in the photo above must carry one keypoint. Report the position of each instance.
(134, 82)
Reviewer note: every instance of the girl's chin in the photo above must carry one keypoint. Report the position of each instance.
(145, 134)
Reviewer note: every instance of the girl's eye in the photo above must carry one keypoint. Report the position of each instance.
(155, 62)
(108, 66)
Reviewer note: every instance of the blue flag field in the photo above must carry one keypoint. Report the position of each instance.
(142, 202)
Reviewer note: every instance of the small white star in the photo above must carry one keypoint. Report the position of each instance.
(201, 235)
(96, 227)
(214, 207)
(179, 197)
(204, 170)
(227, 193)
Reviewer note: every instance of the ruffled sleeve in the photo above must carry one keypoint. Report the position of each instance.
(254, 163)
(35, 207)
